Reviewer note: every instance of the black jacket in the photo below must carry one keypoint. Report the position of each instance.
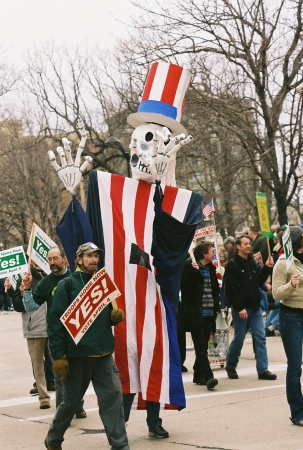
(243, 281)
(190, 309)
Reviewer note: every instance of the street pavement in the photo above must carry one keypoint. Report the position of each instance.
(243, 414)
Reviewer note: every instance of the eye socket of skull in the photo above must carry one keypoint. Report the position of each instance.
(149, 136)
(134, 160)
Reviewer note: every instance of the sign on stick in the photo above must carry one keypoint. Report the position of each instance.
(94, 297)
(264, 217)
(14, 280)
(41, 244)
(287, 245)
(206, 231)
(12, 262)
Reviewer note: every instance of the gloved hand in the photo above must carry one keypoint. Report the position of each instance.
(61, 368)
(117, 315)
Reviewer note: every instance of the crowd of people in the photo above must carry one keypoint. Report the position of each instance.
(62, 366)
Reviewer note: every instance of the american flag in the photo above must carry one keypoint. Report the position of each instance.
(121, 212)
(208, 209)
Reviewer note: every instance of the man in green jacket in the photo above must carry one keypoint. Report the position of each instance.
(89, 360)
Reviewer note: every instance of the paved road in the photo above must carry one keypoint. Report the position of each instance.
(243, 414)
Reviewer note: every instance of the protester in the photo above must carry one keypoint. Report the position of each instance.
(223, 260)
(35, 331)
(229, 243)
(19, 307)
(200, 303)
(89, 360)
(4, 299)
(242, 283)
(258, 243)
(288, 289)
(43, 292)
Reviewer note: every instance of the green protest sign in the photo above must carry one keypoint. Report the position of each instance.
(287, 245)
(12, 262)
(41, 244)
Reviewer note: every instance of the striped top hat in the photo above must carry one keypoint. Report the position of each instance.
(163, 97)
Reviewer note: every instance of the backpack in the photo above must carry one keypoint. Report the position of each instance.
(68, 288)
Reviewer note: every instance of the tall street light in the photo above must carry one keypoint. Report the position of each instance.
(114, 142)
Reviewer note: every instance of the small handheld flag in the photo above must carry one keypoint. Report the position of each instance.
(208, 209)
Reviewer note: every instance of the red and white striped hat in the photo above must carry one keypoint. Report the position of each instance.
(163, 97)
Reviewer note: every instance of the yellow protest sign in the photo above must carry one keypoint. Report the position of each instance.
(263, 213)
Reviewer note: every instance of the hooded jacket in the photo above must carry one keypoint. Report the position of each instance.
(34, 322)
(97, 340)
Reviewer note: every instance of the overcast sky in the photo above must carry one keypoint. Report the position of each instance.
(24, 23)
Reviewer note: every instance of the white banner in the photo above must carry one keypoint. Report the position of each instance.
(207, 231)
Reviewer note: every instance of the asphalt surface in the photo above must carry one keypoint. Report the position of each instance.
(243, 414)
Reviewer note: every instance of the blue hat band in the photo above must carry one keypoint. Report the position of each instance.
(157, 107)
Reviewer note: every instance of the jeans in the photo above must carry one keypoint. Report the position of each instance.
(153, 418)
(59, 389)
(273, 318)
(291, 330)
(106, 383)
(256, 324)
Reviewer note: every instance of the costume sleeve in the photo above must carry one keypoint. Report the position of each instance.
(55, 328)
(28, 302)
(231, 287)
(281, 283)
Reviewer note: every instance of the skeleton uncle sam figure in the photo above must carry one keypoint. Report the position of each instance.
(145, 225)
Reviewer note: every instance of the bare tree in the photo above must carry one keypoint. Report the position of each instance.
(251, 49)
(29, 191)
(71, 83)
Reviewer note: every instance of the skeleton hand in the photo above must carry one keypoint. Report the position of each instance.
(162, 151)
(70, 173)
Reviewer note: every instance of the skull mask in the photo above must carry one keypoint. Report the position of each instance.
(149, 161)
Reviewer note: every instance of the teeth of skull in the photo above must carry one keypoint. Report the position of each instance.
(142, 167)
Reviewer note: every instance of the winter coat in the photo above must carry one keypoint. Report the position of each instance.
(34, 322)
(243, 281)
(97, 340)
(282, 288)
(190, 309)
